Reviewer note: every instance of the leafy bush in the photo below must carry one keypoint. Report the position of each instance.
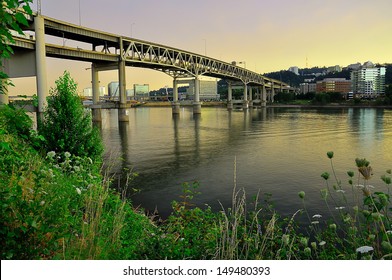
(67, 126)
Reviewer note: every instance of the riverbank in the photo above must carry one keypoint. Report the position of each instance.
(275, 105)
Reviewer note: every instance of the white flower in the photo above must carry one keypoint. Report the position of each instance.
(322, 243)
(67, 154)
(315, 222)
(316, 216)
(78, 191)
(51, 154)
(389, 231)
(340, 208)
(364, 249)
(42, 202)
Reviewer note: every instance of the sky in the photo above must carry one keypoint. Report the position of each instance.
(268, 35)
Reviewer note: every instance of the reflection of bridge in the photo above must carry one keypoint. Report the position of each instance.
(109, 52)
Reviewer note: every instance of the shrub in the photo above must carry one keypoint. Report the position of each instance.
(67, 126)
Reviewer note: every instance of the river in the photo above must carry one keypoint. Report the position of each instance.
(279, 151)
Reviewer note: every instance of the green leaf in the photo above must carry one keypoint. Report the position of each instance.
(21, 19)
(27, 9)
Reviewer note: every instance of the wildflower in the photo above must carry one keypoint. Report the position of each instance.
(76, 168)
(389, 231)
(301, 194)
(67, 155)
(304, 241)
(330, 154)
(322, 243)
(51, 154)
(325, 175)
(386, 179)
(332, 226)
(42, 203)
(350, 173)
(364, 249)
(316, 216)
(366, 172)
(315, 222)
(340, 207)
(78, 191)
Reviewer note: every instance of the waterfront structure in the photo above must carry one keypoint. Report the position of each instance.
(88, 92)
(307, 87)
(115, 52)
(141, 92)
(208, 90)
(368, 82)
(113, 89)
(333, 85)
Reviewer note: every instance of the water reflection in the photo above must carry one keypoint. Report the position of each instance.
(278, 150)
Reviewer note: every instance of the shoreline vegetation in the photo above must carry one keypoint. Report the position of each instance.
(58, 205)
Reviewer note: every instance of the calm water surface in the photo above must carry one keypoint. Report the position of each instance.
(277, 150)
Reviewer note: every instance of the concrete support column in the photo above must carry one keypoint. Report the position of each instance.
(229, 96)
(4, 96)
(122, 110)
(40, 58)
(250, 97)
(96, 108)
(272, 93)
(245, 104)
(196, 102)
(263, 96)
(175, 104)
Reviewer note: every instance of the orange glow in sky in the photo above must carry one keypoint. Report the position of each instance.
(269, 35)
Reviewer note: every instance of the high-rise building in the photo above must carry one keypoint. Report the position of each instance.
(307, 87)
(88, 92)
(368, 82)
(294, 69)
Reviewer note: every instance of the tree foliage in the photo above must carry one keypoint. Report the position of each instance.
(67, 126)
(12, 17)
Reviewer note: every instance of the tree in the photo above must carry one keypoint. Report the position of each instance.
(67, 126)
(12, 17)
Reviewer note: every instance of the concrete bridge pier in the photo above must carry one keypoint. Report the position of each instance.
(40, 58)
(122, 110)
(229, 96)
(263, 96)
(175, 104)
(272, 93)
(245, 104)
(250, 100)
(96, 108)
(196, 102)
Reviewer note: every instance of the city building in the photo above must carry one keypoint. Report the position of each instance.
(368, 82)
(113, 89)
(141, 92)
(333, 85)
(294, 69)
(307, 87)
(334, 69)
(88, 92)
(208, 90)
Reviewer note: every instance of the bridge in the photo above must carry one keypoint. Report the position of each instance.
(108, 51)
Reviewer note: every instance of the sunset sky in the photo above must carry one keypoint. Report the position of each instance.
(269, 35)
